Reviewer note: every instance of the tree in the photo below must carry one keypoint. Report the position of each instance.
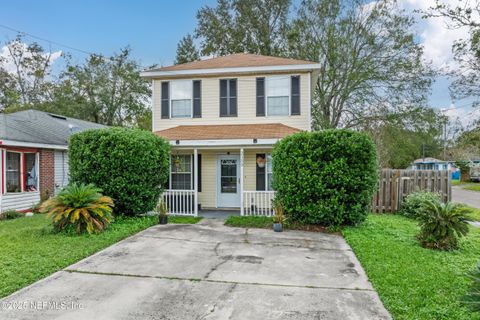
(186, 51)
(25, 75)
(254, 26)
(466, 75)
(370, 60)
(407, 135)
(105, 90)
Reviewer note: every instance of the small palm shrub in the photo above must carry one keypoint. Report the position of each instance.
(472, 298)
(442, 224)
(80, 207)
(412, 205)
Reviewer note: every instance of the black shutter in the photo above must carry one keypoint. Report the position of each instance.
(260, 97)
(199, 178)
(223, 98)
(260, 173)
(295, 96)
(197, 98)
(165, 101)
(232, 94)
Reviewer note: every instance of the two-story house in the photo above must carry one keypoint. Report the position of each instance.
(222, 117)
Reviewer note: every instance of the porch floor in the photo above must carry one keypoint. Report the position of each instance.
(218, 214)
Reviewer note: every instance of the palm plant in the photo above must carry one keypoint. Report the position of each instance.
(442, 224)
(81, 207)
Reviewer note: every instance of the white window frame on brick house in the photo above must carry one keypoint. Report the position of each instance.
(22, 174)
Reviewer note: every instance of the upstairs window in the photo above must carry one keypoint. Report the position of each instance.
(278, 95)
(181, 98)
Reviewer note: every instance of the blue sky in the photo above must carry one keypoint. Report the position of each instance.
(153, 29)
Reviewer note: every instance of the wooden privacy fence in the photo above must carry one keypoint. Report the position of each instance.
(395, 185)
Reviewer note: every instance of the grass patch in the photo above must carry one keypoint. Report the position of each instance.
(472, 187)
(183, 220)
(249, 222)
(457, 182)
(413, 282)
(475, 214)
(30, 250)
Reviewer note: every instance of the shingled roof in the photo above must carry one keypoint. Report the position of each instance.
(220, 132)
(237, 62)
(35, 126)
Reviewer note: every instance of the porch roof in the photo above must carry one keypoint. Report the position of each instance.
(228, 132)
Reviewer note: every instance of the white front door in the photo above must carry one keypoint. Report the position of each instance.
(228, 181)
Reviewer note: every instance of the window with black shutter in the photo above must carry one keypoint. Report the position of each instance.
(295, 96)
(197, 98)
(228, 97)
(260, 97)
(165, 112)
(260, 171)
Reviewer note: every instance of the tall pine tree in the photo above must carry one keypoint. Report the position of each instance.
(186, 51)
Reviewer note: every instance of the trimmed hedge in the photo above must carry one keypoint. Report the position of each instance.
(325, 177)
(130, 166)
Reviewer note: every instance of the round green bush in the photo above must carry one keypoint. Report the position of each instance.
(130, 166)
(325, 177)
(412, 206)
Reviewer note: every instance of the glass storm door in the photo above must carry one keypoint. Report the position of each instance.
(228, 184)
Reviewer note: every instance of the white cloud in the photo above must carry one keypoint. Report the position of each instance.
(8, 64)
(465, 115)
(436, 38)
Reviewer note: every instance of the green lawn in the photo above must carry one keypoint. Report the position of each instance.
(472, 187)
(413, 282)
(30, 251)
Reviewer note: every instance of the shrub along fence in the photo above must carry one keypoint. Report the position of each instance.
(395, 185)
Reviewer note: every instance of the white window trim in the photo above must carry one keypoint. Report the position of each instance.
(266, 171)
(289, 96)
(170, 100)
(191, 172)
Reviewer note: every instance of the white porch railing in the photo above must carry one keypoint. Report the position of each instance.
(180, 202)
(258, 203)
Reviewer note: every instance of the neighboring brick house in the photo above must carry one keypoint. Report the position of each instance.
(222, 117)
(33, 156)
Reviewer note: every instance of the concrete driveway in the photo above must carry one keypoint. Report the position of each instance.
(207, 271)
(471, 198)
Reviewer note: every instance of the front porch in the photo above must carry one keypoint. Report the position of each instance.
(227, 179)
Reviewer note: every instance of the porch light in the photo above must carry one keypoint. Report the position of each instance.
(255, 140)
(177, 141)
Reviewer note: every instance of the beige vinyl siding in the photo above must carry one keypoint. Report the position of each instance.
(207, 198)
(246, 104)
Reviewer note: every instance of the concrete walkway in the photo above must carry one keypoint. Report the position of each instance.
(207, 271)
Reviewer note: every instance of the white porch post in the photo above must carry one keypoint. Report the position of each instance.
(195, 180)
(241, 181)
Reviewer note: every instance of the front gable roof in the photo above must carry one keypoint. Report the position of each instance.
(233, 63)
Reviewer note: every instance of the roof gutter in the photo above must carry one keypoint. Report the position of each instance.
(297, 67)
(13, 143)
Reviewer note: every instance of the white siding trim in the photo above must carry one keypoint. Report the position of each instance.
(224, 143)
(305, 67)
(12, 143)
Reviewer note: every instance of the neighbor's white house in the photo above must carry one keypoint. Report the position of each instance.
(222, 117)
